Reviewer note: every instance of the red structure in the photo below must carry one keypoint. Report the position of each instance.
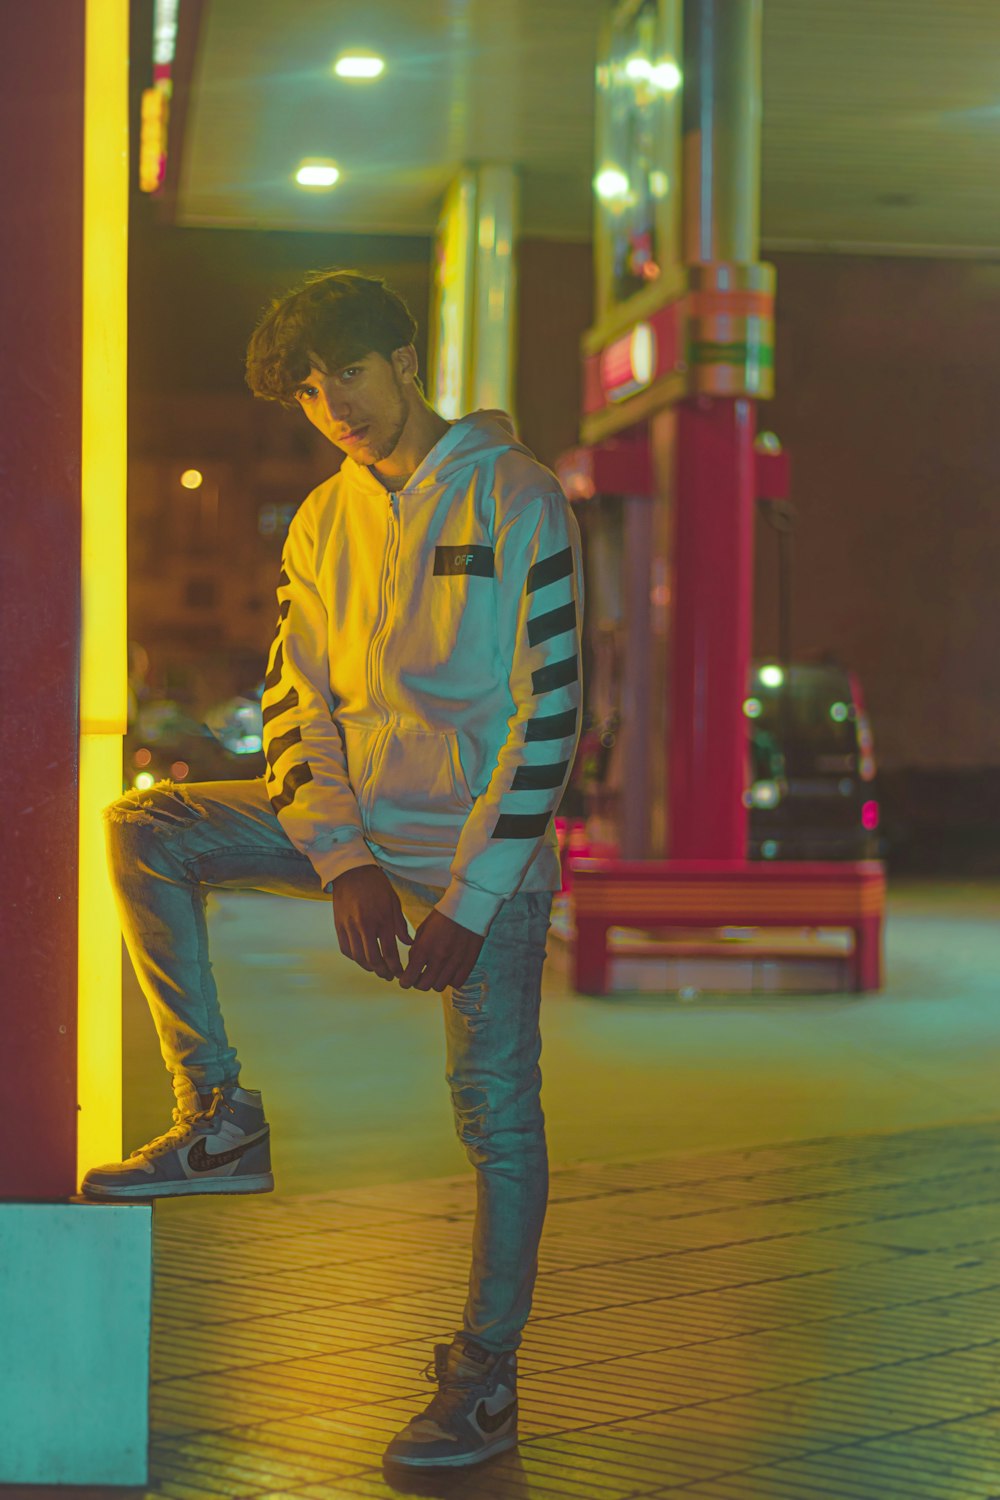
(42, 88)
(685, 894)
(713, 582)
(680, 354)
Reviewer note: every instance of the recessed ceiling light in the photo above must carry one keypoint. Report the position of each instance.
(314, 173)
(359, 65)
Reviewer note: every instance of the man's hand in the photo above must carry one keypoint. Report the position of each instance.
(369, 919)
(443, 953)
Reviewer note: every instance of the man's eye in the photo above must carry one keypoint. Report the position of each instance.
(350, 372)
(307, 393)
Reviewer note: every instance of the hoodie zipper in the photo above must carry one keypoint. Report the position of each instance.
(376, 649)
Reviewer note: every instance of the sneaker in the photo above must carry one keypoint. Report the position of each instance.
(221, 1145)
(472, 1417)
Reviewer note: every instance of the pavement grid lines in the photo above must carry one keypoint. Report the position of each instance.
(818, 1320)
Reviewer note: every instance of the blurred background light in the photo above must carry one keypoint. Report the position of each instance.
(317, 174)
(666, 76)
(363, 65)
(610, 183)
(642, 353)
(192, 479)
(771, 676)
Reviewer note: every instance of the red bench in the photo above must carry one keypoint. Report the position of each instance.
(655, 894)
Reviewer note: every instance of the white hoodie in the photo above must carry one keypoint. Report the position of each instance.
(422, 700)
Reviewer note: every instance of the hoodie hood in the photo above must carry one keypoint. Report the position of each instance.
(481, 437)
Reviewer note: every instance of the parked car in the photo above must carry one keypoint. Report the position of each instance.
(164, 742)
(811, 791)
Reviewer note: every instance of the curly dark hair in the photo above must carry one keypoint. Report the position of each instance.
(339, 316)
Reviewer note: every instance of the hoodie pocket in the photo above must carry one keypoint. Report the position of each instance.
(409, 783)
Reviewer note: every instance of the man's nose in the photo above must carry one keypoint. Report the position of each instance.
(337, 406)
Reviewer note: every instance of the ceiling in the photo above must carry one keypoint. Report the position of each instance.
(881, 124)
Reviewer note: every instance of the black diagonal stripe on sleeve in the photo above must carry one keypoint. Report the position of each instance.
(283, 609)
(521, 825)
(274, 676)
(558, 674)
(284, 581)
(297, 776)
(275, 710)
(551, 726)
(549, 570)
(277, 748)
(555, 622)
(539, 778)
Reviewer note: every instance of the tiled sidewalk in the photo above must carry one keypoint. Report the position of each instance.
(817, 1319)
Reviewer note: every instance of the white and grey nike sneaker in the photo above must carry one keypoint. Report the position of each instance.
(221, 1146)
(472, 1417)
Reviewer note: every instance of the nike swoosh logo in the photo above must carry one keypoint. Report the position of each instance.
(492, 1421)
(201, 1160)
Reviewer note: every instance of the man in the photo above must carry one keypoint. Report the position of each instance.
(421, 711)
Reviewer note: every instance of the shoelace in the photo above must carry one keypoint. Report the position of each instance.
(182, 1124)
(435, 1368)
(455, 1393)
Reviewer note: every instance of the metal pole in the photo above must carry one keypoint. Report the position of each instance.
(713, 540)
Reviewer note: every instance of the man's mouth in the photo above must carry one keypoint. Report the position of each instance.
(355, 435)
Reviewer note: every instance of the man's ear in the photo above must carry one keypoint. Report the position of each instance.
(404, 360)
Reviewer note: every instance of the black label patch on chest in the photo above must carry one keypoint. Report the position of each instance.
(475, 560)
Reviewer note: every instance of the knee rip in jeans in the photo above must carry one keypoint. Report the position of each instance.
(469, 1102)
(470, 1000)
(163, 805)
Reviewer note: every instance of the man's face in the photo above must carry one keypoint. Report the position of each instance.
(362, 408)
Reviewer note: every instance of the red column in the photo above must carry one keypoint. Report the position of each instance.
(41, 171)
(729, 361)
(713, 578)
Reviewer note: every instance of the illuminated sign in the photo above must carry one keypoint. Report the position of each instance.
(155, 120)
(638, 161)
(629, 364)
(153, 138)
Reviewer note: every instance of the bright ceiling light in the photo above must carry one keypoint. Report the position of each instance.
(771, 676)
(359, 65)
(317, 174)
(192, 479)
(610, 183)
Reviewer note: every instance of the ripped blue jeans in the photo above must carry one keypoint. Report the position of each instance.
(168, 847)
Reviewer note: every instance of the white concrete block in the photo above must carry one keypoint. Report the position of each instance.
(75, 1308)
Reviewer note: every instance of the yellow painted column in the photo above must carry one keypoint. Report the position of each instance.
(104, 669)
(475, 293)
